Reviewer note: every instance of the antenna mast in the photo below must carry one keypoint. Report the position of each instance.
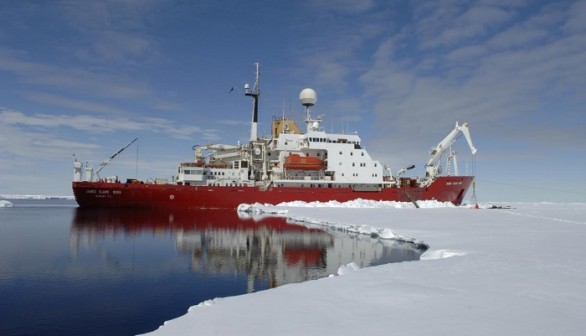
(255, 93)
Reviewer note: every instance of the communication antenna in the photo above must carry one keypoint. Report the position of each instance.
(254, 93)
(308, 98)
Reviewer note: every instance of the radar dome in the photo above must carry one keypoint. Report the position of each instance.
(308, 97)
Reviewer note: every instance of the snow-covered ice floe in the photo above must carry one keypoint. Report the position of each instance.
(260, 210)
(5, 204)
(362, 203)
(523, 273)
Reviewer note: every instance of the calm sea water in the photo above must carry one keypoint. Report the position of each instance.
(70, 271)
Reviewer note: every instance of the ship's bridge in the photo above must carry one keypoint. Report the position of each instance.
(320, 137)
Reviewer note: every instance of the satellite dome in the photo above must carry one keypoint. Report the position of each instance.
(308, 97)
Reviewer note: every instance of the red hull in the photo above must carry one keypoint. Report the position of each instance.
(167, 196)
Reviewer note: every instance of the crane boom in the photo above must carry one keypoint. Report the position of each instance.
(108, 160)
(436, 152)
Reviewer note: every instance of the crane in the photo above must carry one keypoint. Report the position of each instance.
(107, 161)
(431, 169)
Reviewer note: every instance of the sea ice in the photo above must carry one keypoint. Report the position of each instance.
(517, 271)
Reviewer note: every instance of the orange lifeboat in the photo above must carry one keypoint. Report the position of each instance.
(298, 162)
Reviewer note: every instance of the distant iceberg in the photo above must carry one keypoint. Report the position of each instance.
(36, 197)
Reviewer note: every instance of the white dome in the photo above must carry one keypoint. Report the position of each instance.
(308, 97)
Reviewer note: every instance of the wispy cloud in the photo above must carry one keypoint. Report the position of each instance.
(74, 104)
(97, 124)
(72, 78)
(497, 72)
(441, 23)
(114, 31)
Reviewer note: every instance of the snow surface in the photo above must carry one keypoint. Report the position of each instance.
(517, 271)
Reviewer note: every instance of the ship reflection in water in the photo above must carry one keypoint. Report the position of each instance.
(267, 252)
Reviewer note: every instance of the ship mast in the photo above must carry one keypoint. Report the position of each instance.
(255, 93)
(308, 98)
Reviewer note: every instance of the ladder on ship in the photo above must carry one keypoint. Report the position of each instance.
(412, 199)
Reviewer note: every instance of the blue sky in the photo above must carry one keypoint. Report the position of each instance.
(87, 77)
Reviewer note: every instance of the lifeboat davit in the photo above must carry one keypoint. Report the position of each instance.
(298, 162)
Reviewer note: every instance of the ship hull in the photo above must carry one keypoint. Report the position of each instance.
(169, 196)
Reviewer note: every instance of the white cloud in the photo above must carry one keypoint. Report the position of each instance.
(113, 30)
(500, 75)
(95, 124)
(72, 78)
(576, 22)
(447, 23)
(74, 104)
(346, 6)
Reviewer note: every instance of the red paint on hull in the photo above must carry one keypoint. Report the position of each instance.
(132, 220)
(167, 196)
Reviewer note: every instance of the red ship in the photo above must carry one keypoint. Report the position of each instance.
(288, 166)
